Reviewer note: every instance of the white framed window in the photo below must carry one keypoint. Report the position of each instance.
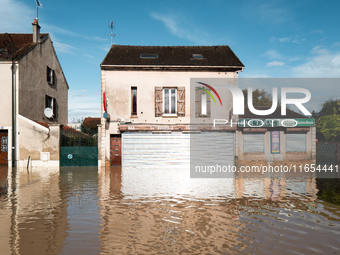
(253, 143)
(296, 143)
(170, 101)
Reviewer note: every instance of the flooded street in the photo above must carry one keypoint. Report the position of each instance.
(161, 211)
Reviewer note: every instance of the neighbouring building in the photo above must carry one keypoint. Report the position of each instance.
(41, 98)
(276, 137)
(146, 96)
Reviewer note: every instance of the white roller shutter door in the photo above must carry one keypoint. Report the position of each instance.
(160, 149)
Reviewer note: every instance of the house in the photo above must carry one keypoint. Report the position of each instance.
(91, 124)
(154, 100)
(276, 137)
(40, 101)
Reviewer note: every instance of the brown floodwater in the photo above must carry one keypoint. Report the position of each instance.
(161, 211)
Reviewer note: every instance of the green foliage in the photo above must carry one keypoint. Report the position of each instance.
(260, 98)
(329, 127)
(330, 107)
(329, 190)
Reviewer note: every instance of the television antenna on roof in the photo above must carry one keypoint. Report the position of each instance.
(112, 26)
(38, 5)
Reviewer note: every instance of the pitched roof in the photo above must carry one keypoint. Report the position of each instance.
(22, 43)
(89, 122)
(181, 56)
(275, 115)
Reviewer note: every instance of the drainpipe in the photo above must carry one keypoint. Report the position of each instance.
(8, 43)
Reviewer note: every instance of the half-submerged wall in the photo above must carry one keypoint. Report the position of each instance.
(39, 143)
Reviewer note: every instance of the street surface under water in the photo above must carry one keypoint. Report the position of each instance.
(161, 211)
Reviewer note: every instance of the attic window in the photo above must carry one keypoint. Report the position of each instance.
(197, 56)
(149, 56)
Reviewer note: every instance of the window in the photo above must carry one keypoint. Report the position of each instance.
(253, 143)
(202, 103)
(197, 56)
(296, 143)
(170, 102)
(151, 56)
(51, 103)
(133, 100)
(50, 76)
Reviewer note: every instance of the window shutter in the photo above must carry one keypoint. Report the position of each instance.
(208, 105)
(47, 74)
(181, 101)
(198, 103)
(158, 101)
(55, 108)
(53, 77)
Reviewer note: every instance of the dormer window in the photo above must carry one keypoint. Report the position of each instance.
(197, 56)
(50, 76)
(149, 56)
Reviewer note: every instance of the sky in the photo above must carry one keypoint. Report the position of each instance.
(273, 39)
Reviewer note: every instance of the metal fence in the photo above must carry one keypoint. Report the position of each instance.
(328, 153)
(78, 148)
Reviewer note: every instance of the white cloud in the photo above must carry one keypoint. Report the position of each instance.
(274, 55)
(323, 64)
(319, 50)
(271, 13)
(82, 103)
(63, 47)
(336, 44)
(180, 28)
(293, 39)
(319, 31)
(275, 63)
(16, 16)
(57, 30)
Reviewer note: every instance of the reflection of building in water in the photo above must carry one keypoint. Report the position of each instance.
(152, 216)
(275, 187)
(33, 215)
(167, 212)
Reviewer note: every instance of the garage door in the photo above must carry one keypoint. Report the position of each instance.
(176, 148)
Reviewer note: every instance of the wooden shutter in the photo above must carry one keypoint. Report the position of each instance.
(158, 101)
(208, 105)
(198, 103)
(181, 101)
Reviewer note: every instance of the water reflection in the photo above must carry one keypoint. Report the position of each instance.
(161, 211)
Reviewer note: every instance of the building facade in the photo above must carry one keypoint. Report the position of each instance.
(148, 101)
(276, 137)
(40, 98)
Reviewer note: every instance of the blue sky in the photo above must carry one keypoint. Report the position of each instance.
(272, 38)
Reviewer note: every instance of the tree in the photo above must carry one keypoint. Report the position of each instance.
(329, 127)
(260, 98)
(330, 107)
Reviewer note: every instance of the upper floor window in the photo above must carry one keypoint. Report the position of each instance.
(50, 76)
(133, 100)
(202, 103)
(51, 104)
(170, 101)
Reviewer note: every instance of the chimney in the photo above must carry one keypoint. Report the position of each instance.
(36, 31)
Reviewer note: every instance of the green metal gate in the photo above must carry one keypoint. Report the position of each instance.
(78, 148)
